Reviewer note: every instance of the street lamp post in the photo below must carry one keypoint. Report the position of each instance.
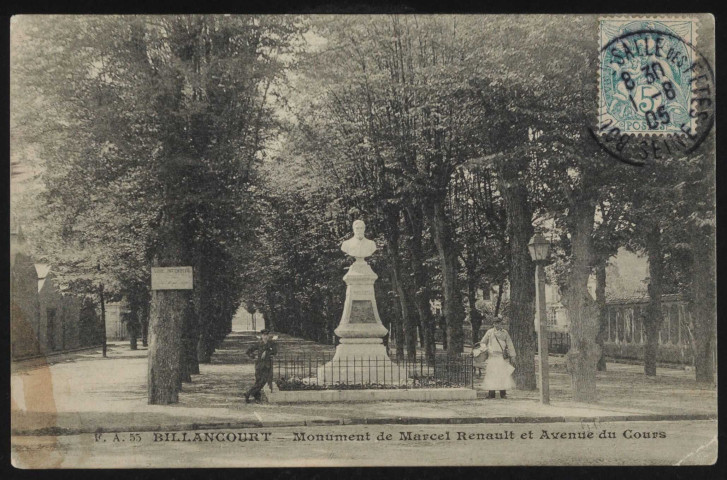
(539, 249)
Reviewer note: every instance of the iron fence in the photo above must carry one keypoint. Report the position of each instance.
(558, 342)
(320, 372)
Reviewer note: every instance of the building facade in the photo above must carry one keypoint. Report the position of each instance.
(244, 321)
(43, 319)
(625, 335)
(116, 328)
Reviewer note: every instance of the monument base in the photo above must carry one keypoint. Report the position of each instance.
(361, 361)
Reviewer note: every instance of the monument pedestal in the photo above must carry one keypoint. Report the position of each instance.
(361, 363)
(361, 357)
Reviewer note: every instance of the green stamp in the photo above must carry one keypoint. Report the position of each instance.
(646, 70)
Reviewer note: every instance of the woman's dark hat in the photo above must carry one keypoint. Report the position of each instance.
(264, 331)
(497, 320)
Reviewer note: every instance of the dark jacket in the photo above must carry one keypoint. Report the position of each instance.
(263, 353)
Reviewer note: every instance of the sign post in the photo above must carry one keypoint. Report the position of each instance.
(172, 278)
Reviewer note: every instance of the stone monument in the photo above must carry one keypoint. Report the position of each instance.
(361, 356)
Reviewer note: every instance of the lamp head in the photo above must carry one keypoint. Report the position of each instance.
(539, 248)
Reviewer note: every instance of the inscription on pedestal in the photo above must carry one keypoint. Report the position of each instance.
(362, 312)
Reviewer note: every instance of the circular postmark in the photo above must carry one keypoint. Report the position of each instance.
(656, 91)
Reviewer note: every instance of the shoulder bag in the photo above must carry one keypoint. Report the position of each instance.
(505, 352)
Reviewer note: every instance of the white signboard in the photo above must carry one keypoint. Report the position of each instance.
(171, 278)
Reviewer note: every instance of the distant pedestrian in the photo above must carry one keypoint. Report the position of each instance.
(262, 352)
(500, 351)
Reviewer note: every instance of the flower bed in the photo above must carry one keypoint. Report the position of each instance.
(296, 383)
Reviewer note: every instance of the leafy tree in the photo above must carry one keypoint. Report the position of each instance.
(612, 230)
(480, 222)
(153, 137)
(398, 84)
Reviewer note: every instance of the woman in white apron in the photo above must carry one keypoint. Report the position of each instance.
(500, 351)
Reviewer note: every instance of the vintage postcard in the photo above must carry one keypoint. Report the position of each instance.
(362, 240)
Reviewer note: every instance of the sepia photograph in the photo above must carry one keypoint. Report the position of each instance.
(354, 240)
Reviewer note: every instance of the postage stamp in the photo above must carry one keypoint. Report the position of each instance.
(656, 88)
(645, 76)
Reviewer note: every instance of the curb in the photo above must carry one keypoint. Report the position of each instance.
(56, 353)
(58, 431)
(554, 419)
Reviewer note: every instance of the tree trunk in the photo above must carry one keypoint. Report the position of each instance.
(422, 295)
(654, 317)
(408, 312)
(169, 309)
(188, 358)
(602, 312)
(144, 320)
(204, 343)
(131, 326)
(205, 340)
(453, 309)
(397, 323)
(430, 345)
(189, 348)
(475, 315)
(442, 320)
(133, 338)
(582, 311)
(165, 346)
(195, 321)
(403, 285)
(500, 288)
(270, 313)
(102, 301)
(136, 302)
(703, 306)
(522, 274)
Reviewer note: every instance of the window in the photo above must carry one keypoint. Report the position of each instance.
(628, 325)
(674, 323)
(638, 325)
(552, 316)
(664, 330)
(620, 325)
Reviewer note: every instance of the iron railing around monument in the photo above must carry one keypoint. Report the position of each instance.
(318, 372)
